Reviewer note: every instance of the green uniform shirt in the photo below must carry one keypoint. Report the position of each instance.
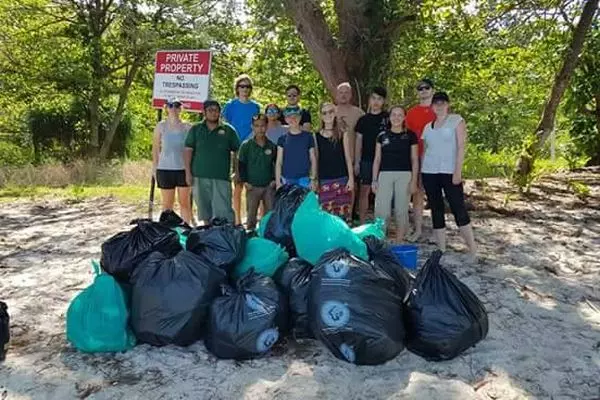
(259, 162)
(212, 150)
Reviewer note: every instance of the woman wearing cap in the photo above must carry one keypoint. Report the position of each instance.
(334, 159)
(296, 158)
(167, 160)
(275, 129)
(395, 171)
(445, 140)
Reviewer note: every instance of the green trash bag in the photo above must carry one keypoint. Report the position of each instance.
(262, 225)
(376, 228)
(315, 232)
(182, 234)
(97, 319)
(263, 255)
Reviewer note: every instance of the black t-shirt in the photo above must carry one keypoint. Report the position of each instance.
(369, 126)
(304, 117)
(332, 160)
(396, 150)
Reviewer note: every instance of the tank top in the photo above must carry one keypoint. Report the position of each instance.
(172, 143)
(440, 146)
(332, 160)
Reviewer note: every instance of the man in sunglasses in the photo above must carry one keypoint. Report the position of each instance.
(210, 146)
(416, 119)
(239, 112)
(292, 94)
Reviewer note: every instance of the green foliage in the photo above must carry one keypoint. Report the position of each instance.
(580, 189)
(497, 60)
(481, 164)
(583, 101)
(13, 154)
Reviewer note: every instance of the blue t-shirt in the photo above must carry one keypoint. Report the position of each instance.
(296, 154)
(239, 115)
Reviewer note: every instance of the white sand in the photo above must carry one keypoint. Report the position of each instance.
(539, 280)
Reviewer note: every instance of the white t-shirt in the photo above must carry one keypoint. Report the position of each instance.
(441, 146)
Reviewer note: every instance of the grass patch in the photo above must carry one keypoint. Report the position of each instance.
(130, 194)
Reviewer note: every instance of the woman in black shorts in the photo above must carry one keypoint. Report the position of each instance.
(167, 160)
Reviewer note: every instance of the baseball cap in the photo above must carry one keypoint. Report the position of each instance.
(291, 110)
(174, 101)
(212, 103)
(440, 97)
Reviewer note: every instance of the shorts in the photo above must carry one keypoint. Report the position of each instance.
(170, 179)
(366, 172)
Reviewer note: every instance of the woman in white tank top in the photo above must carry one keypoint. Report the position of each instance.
(167, 160)
(445, 140)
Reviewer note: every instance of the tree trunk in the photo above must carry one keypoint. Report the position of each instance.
(116, 120)
(546, 125)
(319, 42)
(360, 52)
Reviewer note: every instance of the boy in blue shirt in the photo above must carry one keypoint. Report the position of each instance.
(296, 157)
(238, 112)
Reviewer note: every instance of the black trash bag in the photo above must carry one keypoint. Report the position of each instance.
(122, 252)
(443, 316)
(4, 330)
(247, 320)
(382, 257)
(220, 244)
(355, 309)
(279, 227)
(171, 298)
(170, 219)
(294, 281)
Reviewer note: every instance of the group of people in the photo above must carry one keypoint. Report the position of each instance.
(398, 155)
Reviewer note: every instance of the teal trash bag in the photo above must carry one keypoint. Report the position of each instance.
(376, 228)
(316, 232)
(182, 234)
(265, 256)
(262, 225)
(97, 319)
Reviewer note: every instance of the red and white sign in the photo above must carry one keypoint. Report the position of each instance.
(184, 74)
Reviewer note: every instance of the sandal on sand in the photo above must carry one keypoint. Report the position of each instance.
(415, 238)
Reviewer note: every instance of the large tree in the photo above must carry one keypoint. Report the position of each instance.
(351, 40)
(561, 81)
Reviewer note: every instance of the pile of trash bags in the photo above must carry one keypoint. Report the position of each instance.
(304, 274)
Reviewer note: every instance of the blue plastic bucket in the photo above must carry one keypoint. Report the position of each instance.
(406, 255)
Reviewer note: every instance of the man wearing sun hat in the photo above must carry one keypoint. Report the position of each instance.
(210, 147)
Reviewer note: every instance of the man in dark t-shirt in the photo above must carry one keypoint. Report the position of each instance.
(368, 127)
(292, 93)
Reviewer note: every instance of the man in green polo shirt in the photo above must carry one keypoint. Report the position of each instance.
(257, 169)
(208, 153)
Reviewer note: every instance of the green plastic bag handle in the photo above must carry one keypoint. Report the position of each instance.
(96, 267)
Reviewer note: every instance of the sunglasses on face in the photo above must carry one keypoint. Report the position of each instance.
(272, 111)
(328, 112)
(421, 88)
(244, 86)
(174, 105)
